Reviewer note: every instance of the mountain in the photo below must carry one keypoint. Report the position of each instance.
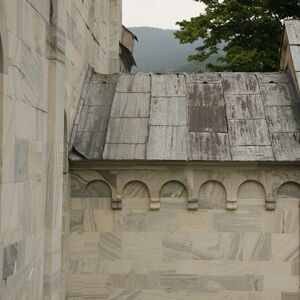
(158, 51)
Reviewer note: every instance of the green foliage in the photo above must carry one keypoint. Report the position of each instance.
(250, 29)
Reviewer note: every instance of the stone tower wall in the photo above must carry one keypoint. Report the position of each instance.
(46, 48)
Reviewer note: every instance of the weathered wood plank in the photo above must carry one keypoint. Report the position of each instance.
(293, 31)
(167, 143)
(127, 131)
(207, 119)
(90, 144)
(298, 82)
(168, 85)
(131, 105)
(252, 153)
(103, 78)
(124, 151)
(205, 94)
(100, 94)
(94, 118)
(286, 146)
(203, 78)
(295, 52)
(244, 107)
(275, 94)
(283, 119)
(248, 133)
(209, 146)
(92, 121)
(134, 83)
(274, 77)
(250, 118)
(168, 111)
(240, 83)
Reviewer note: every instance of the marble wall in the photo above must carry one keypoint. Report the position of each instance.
(171, 250)
(46, 49)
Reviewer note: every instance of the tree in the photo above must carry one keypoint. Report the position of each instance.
(247, 32)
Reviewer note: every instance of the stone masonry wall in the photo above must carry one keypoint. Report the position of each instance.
(46, 49)
(155, 248)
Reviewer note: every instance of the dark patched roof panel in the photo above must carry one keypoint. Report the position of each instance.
(188, 117)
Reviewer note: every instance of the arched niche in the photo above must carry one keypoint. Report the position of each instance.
(173, 194)
(212, 194)
(136, 195)
(251, 192)
(288, 195)
(77, 186)
(97, 189)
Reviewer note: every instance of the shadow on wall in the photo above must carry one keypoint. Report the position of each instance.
(1, 107)
(1, 59)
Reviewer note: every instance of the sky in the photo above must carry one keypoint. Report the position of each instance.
(159, 13)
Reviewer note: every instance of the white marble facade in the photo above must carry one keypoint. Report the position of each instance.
(153, 245)
(150, 232)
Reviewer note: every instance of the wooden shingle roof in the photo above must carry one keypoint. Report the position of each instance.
(188, 117)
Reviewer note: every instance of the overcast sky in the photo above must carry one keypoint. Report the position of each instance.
(159, 13)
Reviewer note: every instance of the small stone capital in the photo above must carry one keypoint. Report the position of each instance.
(231, 205)
(270, 203)
(193, 204)
(154, 204)
(116, 204)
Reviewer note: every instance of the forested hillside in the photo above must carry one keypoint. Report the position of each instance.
(158, 51)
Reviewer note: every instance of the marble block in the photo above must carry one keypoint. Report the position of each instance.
(290, 296)
(131, 220)
(10, 260)
(145, 246)
(257, 246)
(176, 246)
(217, 246)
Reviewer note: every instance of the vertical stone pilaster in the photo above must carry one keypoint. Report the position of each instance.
(116, 203)
(154, 200)
(115, 32)
(232, 203)
(53, 280)
(270, 203)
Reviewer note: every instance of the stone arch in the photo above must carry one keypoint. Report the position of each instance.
(77, 186)
(93, 189)
(97, 189)
(288, 194)
(287, 203)
(251, 192)
(170, 192)
(136, 195)
(289, 189)
(212, 194)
